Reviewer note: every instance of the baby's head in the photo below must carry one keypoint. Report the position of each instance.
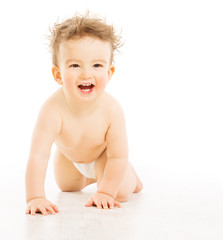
(82, 54)
(79, 27)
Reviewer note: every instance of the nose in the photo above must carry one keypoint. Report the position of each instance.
(85, 75)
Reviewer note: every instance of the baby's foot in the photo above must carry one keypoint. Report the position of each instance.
(139, 185)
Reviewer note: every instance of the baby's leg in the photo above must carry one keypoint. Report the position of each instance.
(68, 178)
(139, 185)
(130, 183)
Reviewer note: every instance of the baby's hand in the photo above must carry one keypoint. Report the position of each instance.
(41, 205)
(102, 200)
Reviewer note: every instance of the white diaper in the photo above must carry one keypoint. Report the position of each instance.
(87, 169)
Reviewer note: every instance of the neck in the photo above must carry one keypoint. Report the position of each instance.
(81, 108)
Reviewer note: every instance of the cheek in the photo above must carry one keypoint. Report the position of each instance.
(102, 81)
(69, 79)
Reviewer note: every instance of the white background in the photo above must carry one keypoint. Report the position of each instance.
(168, 79)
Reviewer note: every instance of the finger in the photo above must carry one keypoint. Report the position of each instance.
(118, 204)
(56, 209)
(105, 204)
(99, 204)
(33, 210)
(110, 204)
(27, 210)
(43, 211)
(89, 203)
(50, 209)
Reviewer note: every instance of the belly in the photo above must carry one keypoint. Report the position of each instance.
(81, 153)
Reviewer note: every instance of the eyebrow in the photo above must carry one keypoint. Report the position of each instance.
(100, 60)
(96, 60)
(72, 60)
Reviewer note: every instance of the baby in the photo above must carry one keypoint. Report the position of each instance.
(86, 124)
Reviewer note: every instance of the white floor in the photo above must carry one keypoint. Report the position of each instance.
(163, 210)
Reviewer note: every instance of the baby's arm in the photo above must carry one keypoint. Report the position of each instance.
(117, 154)
(45, 132)
(117, 158)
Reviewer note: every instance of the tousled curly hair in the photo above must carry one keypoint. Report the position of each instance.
(81, 26)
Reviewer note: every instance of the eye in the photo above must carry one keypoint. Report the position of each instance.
(74, 65)
(97, 65)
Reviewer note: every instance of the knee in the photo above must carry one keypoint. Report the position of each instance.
(122, 197)
(70, 189)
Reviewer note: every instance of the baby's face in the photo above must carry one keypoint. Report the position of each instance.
(84, 66)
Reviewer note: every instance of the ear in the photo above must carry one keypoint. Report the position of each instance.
(57, 75)
(111, 71)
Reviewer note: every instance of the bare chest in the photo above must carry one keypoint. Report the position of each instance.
(83, 140)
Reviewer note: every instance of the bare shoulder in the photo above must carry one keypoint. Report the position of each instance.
(50, 110)
(111, 103)
(53, 103)
(112, 106)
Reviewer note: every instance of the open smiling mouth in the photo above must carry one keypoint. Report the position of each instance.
(86, 88)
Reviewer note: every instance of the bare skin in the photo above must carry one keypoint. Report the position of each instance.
(86, 126)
